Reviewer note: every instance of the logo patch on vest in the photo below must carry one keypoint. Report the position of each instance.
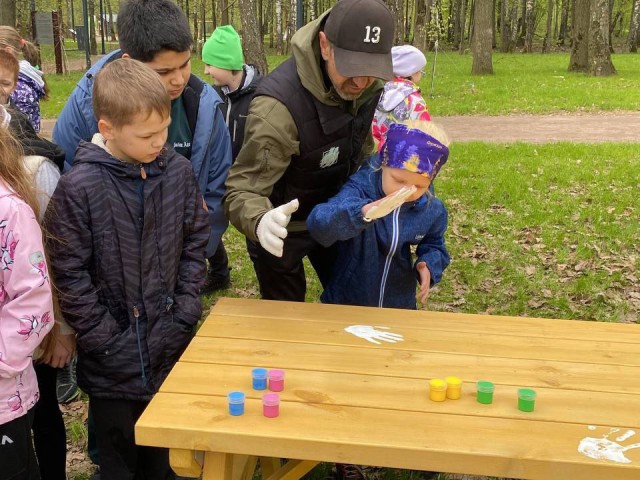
(330, 157)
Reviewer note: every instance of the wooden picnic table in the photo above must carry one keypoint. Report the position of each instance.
(349, 400)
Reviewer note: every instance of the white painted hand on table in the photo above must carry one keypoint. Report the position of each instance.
(370, 334)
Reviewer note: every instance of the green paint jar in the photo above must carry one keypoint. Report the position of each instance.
(484, 393)
(526, 399)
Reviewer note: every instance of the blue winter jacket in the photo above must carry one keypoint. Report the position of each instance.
(210, 147)
(374, 265)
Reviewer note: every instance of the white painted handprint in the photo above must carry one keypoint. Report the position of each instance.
(604, 449)
(370, 334)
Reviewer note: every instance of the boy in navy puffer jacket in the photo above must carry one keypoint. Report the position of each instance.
(130, 228)
(379, 214)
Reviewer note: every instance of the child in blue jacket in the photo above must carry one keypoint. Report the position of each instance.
(379, 214)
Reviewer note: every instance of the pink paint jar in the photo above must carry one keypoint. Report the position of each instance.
(271, 405)
(276, 380)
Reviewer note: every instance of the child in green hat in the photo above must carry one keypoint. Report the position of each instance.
(236, 83)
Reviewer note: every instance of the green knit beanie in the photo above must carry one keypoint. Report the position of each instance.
(223, 49)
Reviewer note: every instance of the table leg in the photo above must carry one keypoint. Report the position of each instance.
(217, 466)
(244, 466)
(269, 465)
(186, 463)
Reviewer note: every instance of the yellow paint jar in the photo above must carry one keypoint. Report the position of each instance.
(437, 390)
(454, 388)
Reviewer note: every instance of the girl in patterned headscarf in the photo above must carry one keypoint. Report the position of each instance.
(379, 215)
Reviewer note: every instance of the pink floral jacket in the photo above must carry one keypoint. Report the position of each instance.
(26, 309)
(400, 101)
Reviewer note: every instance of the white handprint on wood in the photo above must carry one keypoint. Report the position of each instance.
(605, 449)
(370, 334)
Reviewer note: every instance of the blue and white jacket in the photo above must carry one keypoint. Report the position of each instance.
(374, 265)
(210, 147)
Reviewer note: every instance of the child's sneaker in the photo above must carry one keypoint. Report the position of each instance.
(67, 385)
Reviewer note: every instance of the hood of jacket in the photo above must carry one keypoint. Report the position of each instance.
(94, 153)
(251, 79)
(395, 92)
(305, 47)
(32, 73)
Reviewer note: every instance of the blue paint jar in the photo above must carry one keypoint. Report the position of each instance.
(236, 403)
(259, 376)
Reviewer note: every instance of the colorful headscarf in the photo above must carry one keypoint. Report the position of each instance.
(413, 150)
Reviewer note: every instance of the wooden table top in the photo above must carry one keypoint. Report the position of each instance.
(352, 401)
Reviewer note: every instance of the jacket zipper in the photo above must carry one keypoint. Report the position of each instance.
(136, 315)
(395, 234)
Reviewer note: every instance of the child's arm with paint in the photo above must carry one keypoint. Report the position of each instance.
(341, 217)
(432, 253)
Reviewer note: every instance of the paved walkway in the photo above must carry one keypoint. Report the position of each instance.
(580, 128)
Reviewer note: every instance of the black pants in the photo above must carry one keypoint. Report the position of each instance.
(282, 278)
(17, 457)
(219, 263)
(49, 436)
(120, 457)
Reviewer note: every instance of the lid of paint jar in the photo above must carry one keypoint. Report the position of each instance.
(276, 374)
(271, 399)
(437, 384)
(236, 397)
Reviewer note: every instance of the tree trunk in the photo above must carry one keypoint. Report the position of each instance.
(112, 27)
(93, 45)
(224, 12)
(546, 48)
(514, 26)
(600, 64)
(579, 61)
(564, 22)
(529, 20)
(421, 23)
(251, 38)
(196, 29)
(481, 40)
(634, 28)
(462, 23)
(397, 10)
(505, 33)
(278, 28)
(312, 10)
(8, 12)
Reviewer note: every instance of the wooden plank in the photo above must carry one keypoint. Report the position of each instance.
(329, 390)
(390, 438)
(268, 466)
(217, 466)
(483, 342)
(293, 470)
(316, 312)
(385, 361)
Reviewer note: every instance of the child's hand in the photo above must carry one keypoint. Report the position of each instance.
(425, 281)
(62, 352)
(388, 204)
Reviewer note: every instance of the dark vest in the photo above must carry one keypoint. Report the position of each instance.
(330, 138)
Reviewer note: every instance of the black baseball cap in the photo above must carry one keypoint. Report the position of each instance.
(361, 32)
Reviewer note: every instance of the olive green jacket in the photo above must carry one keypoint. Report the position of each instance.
(271, 137)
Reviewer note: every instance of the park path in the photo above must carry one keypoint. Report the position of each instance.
(579, 128)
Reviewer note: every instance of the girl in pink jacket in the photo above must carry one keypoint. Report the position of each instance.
(26, 310)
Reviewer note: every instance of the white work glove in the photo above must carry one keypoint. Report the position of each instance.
(272, 227)
(370, 334)
(388, 204)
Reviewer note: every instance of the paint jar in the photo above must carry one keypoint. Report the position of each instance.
(276, 380)
(259, 376)
(437, 390)
(236, 403)
(271, 405)
(526, 399)
(454, 388)
(485, 392)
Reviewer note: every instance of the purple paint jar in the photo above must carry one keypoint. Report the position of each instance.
(271, 405)
(276, 380)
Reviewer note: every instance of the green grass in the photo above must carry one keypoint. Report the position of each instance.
(534, 230)
(532, 83)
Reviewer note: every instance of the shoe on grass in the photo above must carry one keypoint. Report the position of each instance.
(67, 386)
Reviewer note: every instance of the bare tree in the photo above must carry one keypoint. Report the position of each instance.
(546, 48)
(397, 10)
(8, 12)
(251, 39)
(564, 22)
(579, 61)
(600, 63)
(529, 20)
(514, 26)
(422, 19)
(482, 38)
(505, 33)
(93, 45)
(634, 28)
(278, 27)
(224, 12)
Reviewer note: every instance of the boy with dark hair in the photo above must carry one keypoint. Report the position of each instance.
(157, 33)
(130, 227)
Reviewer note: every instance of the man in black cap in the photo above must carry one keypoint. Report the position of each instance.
(308, 129)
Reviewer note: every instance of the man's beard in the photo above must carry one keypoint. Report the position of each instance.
(344, 95)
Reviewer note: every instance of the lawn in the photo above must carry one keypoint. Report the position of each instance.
(533, 83)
